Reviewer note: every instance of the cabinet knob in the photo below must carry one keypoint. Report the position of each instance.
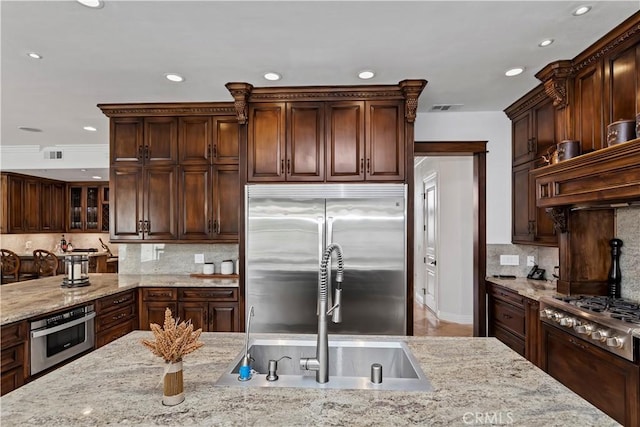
(368, 165)
(281, 166)
(288, 166)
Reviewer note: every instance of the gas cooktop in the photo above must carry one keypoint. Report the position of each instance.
(615, 308)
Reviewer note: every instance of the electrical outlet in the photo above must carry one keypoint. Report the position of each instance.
(199, 258)
(509, 260)
(531, 261)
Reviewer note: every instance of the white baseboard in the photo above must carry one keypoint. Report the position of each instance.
(455, 318)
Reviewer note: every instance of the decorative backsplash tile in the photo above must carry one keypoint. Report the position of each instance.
(628, 230)
(544, 257)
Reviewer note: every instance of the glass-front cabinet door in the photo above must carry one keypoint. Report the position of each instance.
(88, 207)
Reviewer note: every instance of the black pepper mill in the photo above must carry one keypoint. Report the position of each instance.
(615, 277)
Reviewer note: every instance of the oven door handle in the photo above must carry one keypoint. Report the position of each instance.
(48, 331)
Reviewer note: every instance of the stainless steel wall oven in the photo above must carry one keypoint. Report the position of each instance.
(61, 336)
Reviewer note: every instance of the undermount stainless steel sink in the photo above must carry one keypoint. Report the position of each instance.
(349, 365)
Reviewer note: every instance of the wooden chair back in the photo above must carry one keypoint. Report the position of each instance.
(10, 266)
(46, 262)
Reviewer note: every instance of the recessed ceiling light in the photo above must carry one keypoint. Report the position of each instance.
(34, 55)
(29, 129)
(545, 43)
(83, 170)
(366, 74)
(94, 4)
(90, 128)
(581, 10)
(96, 177)
(272, 76)
(514, 71)
(174, 77)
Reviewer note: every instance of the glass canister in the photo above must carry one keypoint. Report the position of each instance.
(76, 271)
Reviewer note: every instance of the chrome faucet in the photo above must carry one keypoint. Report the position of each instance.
(320, 363)
(245, 367)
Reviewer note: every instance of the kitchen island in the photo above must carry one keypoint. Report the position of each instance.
(475, 381)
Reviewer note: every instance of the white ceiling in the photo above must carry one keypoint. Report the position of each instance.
(120, 53)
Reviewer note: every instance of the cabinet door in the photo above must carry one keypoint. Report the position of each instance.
(153, 312)
(305, 141)
(385, 145)
(52, 206)
(160, 140)
(226, 193)
(195, 205)
(15, 208)
(521, 138)
(266, 142)
(223, 317)
(126, 204)
(194, 140)
(622, 73)
(345, 141)
(160, 203)
(588, 108)
(92, 209)
(31, 205)
(226, 134)
(126, 141)
(522, 225)
(196, 312)
(532, 332)
(76, 208)
(543, 136)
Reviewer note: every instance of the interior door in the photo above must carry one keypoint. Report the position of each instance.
(431, 241)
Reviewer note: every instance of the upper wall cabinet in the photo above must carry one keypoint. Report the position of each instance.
(32, 205)
(327, 134)
(174, 172)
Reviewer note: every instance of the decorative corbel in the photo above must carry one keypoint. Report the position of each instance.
(240, 93)
(411, 89)
(559, 218)
(555, 77)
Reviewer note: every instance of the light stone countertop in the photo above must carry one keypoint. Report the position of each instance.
(475, 381)
(31, 298)
(533, 289)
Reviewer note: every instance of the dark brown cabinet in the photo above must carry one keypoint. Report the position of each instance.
(533, 131)
(212, 309)
(14, 366)
(31, 204)
(153, 304)
(181, 181)
(603, 379)
(116, 316)
(88, 208)
(333, 141)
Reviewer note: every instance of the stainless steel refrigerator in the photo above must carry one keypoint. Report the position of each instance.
(289, 225)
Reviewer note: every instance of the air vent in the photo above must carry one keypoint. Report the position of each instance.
(446, 107)
(53, 155)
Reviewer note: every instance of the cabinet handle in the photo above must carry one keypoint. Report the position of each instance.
(147, 152)
(361, 165)
(120, 301)
(534, 144)
(139, 226)
(147, 226)
(215, 151)
(209, 150)
(209, 226)
(140, 148)
(574, 342)
(506, 316)
(119, 316)
(288, 166)
(281, 166)
(368, 165)
(216, 227)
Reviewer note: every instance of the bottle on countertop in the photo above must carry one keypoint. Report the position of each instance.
(63, 244)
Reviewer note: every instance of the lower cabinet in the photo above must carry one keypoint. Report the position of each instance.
(514, 320)
(212, 309)
(116, 316)
(14, 367)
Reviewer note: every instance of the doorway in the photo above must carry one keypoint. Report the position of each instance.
(430, 241)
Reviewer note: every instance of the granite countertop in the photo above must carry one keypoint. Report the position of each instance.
(31, 298)
(533, 289)
(473, 379)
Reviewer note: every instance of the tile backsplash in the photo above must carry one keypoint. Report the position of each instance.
(23, 244)
(627, 229)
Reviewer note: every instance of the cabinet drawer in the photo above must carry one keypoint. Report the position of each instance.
(14, 333)
(11, 380)
(159, 294)
(111, 318)
(512, 341)
(114, 333)
(13, 357)
(508, 317)
(113, 302)
(209, 294)
(505, 294)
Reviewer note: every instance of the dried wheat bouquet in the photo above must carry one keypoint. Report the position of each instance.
(174, 341)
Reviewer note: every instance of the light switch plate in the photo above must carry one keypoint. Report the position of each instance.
(531, 261)
(509, 260)
(199, 258)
